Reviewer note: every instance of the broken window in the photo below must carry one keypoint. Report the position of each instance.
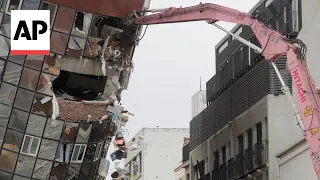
(75, 47)
(63, 152)
(18, 120)
(6, 31)
(13, 5)
(64, 19)
(83, 133)
(103, 29)
(78, 86)
(30, 4)
(29, 79)
(99, 147)
(45, 84)
(78, 153)
(70, 132)
(42, 169)
(8, 160)
(53, 129)
(30, 145)
(12, 140)
(7, 93)
(12, 73)
(36, 125)
(53, 10)
(48, 149)
(59, 171)
(81, 24)
(34, 62)
(4, 116)
(95, 133)
(73, 171)
(42, 105)
(25, 165)
(58, 42)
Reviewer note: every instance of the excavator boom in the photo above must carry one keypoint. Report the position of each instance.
(273, 45)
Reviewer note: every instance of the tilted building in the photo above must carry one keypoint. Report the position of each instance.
(59, 112)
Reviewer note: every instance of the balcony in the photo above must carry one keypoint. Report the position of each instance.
(207, 177)
(248, 154)
(215, 174)
(223, 172)
(239, 164)
(260, 154)
(231, 169)
(185, 153)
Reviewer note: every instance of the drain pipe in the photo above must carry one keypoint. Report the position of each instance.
(278, 168)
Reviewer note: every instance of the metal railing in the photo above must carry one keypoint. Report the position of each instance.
(223, 172)
(239, 164)
(215, 174)
(260, 154)
(248, 155)
(185, 153)
(231, 169)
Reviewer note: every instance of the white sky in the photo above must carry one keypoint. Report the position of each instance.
(168, 64)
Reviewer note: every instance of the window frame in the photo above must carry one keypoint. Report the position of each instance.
(54, 14)
(97, 152)
(29, 145)
(7, 6)
(268, 2)
(223, 46)
(84, 152)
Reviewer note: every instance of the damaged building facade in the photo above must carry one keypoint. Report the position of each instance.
(58, 113)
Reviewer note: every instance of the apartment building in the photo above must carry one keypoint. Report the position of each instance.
(248, 119)
(157, 153)
(59, 112)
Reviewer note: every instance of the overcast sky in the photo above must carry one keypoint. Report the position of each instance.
(168, 64)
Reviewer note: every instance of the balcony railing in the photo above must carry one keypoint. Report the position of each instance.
(248, 154)
(223, 172)
(215, 174)
(251, 159)
(231, 169)
(185, 153)
(207, 177)
(239, 164)
(260, 154)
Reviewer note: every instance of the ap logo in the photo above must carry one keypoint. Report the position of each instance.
(30, 32)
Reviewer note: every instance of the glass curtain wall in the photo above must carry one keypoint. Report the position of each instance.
(32, 146)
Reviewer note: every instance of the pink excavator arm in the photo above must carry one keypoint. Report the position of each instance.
(273, 45)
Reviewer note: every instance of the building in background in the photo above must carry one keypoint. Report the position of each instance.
(248, 119)
(157, 153)
(59, 112)
(183, 169)
(198, 103)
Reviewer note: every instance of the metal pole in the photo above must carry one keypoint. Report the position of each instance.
(285, 89)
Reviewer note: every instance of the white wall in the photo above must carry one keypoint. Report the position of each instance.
(296, 163)
(162, 150)
(180, 174)
(282, 130)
